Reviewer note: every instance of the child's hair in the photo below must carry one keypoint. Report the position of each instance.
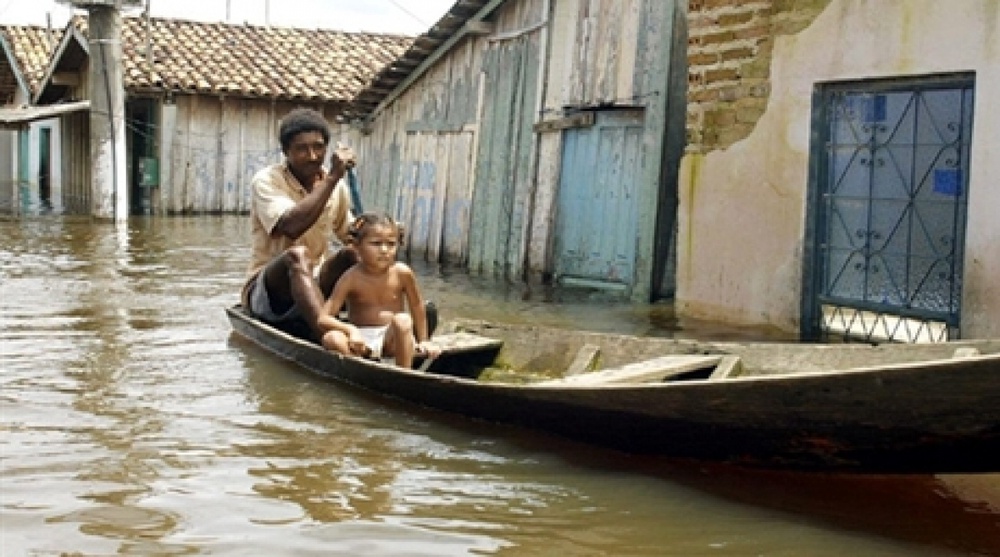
(366, 221)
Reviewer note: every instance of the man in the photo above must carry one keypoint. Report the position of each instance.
(297, 207)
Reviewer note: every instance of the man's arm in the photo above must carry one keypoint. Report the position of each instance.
(294, 222)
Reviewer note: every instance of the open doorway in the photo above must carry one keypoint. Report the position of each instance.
(45, 169)
(143, 167)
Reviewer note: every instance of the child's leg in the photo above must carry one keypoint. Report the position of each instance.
(399, 341)
(336, 341)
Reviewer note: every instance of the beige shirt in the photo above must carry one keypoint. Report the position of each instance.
(275, 191)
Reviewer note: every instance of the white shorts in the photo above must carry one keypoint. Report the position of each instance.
(374, 338)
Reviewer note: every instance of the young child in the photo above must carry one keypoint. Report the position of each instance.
(377, 290)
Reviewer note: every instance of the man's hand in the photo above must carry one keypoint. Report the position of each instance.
(345, 154)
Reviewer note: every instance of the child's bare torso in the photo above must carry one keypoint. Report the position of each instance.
(374, 297)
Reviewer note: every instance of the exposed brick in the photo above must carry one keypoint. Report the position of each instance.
(703, 59)
(733, 19)
(757, 68)
(720, 118)
(704, 95)
(760, 90)
(730, 135)
(729, 56)
(729, 94)
(717, 38)
(750, 110)
(721, 74)
(753, 32)
(715, 4)
(736, 53)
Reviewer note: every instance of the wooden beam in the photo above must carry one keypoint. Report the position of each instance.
(578, 120)
(478, 28)
(69, 79)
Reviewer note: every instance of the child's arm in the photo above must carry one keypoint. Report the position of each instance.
(328, 320)
(415, 302)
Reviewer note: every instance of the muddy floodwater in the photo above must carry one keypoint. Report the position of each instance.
(133, 422)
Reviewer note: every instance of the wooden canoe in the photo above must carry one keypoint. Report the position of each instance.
(932, 408)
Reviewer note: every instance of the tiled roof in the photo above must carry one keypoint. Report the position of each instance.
(238, 60)
(31, 47)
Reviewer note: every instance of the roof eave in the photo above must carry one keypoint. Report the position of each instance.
(22, 83)
(18, 117)
(72, 34)
(422, 58)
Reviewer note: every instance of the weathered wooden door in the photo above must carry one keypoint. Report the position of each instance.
(595, 236)
(501, 205)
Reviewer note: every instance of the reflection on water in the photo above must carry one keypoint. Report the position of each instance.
(134, 422)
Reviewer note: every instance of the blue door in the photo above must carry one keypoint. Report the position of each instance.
(595, 234)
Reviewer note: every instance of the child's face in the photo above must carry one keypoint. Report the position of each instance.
(379, 245)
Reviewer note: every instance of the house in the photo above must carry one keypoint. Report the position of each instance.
(29, 138)
(841, 169)
(203, 101)
(535, 140)
(820, 166)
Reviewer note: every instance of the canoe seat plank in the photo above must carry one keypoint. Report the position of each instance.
(966, 352)
(729, 366)
(586, 360)
(654, 370)
(456, 343)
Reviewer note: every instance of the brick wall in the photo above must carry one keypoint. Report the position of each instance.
(729, 63)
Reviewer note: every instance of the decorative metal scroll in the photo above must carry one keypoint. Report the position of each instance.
(892, 215)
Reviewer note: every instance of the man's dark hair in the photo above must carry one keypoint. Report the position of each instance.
(302, 120)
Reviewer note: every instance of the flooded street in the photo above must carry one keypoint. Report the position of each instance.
(134, 422)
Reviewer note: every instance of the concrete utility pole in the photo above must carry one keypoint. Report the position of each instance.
(109, 179)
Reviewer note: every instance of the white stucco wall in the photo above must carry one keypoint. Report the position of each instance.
(741, 220)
